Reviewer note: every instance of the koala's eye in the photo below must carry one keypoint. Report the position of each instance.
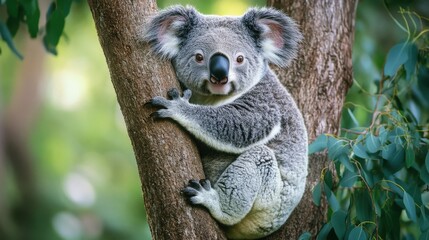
(240, 59)
(199, 57)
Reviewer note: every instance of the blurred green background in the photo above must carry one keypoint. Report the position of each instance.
(67, 170)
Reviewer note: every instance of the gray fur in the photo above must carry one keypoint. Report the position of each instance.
(254, 141)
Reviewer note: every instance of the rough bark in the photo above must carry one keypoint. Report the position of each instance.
(165, 155)
(319, 80)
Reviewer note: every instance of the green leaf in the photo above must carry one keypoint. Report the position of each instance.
(427, 161)
(324, 232)
(338, 221)
(360, 151)
(12, 8)
(64, 6)
(327, 178)
(397, 56)
(394, 154)
(336, 147)
(388, 151)
(13, 25)
(410, 157)
(348, 179)
(54, 27)
(319, 144)
(346, 161)
(352, 117)
(358, 233)
(395, 188)
(369, 177)
(317, 194)
(372, 143)
(410, 207)
(332, 200)
(410, 64)
(382, 135)
(424, 236)
(424, 175)
(7, 37)
(424, 219)
(32, 12)
(305, 236)
(363, 205)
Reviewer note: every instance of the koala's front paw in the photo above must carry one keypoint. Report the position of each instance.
(170, 106)
(199, 192)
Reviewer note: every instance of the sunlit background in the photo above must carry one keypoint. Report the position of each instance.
(69, 171)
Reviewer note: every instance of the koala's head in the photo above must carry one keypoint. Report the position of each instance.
(215, 55)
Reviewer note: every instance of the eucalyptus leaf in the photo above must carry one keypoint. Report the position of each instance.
(12, 8)
(427, 161)
(352, 117)
(397, 56)
(410, 64)
(332, 200)
(319, 144)
(424, 218)
(425, 235)
(7, 37)
(64, 6)
(13, 25)
(348, 179)
(324, 232)
(317, 194)
(394, 154)
(410, 157)
(358, 233)
(360, 151)
(338, 221)
(372, 143)
(368, 177)
(305, 236)
(382, 135)
(336, 147)
(32, 12)
(410, 207)
(347, 162)
(363, 205)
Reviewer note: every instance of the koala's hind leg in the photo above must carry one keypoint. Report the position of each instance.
(251, 182)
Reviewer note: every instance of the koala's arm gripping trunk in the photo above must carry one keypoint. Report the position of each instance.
(164, 165)
(232, 128)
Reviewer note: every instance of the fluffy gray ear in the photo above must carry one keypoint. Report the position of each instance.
(276, 34)
(169, 28)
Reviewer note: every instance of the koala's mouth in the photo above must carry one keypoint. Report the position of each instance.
(226, 88)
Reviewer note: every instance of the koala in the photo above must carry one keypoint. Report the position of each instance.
(252, 137)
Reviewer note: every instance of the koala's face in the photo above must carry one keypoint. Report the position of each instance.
(224, 56)
(217, 59)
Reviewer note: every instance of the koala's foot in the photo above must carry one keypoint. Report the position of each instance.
(200, 192)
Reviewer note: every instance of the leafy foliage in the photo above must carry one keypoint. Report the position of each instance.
(380, 186)
(27, 12)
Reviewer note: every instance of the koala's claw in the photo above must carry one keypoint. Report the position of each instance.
(195, 184)
(173, 93)
(205, 183)
(162, 113)
(196, 190)
(187, 94)
(159, 102)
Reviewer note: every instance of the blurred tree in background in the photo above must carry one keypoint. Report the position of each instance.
(67, 170)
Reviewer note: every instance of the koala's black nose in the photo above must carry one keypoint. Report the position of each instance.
(219, 68)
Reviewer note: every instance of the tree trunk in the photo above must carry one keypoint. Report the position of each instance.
(318, 80)
(165, 155)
